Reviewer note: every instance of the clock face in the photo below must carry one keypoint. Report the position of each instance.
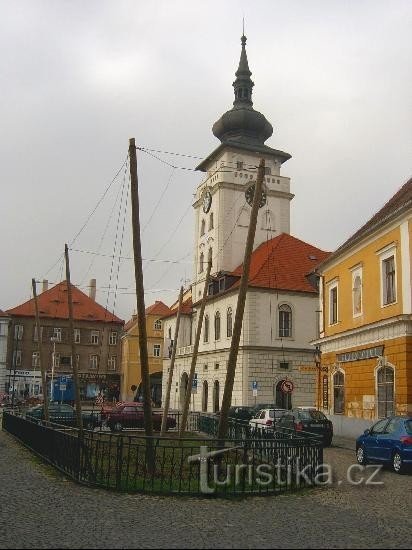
(249, 194)
(207, 202)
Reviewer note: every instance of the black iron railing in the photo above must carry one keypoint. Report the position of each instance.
(241, 465)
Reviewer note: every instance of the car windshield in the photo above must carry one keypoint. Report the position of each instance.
(312, 414)
(408, 426)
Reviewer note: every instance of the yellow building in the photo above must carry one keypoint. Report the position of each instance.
(131, 377)
(366, 320)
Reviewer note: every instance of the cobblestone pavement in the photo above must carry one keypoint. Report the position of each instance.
(40, 509)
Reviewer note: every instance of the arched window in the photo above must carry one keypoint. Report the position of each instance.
(202, 227)
(211, 221)
(217, 325)
(285, 321)
(216, 390)
(357, 295)
(385, 387)
(210, 255)
(206, 329)
(338, 393)
(202, 259)
(205, 396)
(283, 400)
(229, 324)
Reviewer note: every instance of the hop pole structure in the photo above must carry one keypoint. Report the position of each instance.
(42, 364)
(186, 405)
(237, 328)
(141, 313)
(171, 368)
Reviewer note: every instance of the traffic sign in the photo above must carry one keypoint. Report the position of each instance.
(254, 393)
(62, 387)
(287, 386)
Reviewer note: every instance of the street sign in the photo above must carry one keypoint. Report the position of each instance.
(254, 385)
(254, 393)
(62, 387)
(287, 386)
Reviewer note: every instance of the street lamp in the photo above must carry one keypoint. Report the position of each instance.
(53, 339)
(317, 354)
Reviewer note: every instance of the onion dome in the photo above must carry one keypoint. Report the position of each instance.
(242, 123)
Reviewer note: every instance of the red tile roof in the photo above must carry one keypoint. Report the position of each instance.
(283, 263)
(186, 309)
(158, 308)
(53, 304)
(401, 200)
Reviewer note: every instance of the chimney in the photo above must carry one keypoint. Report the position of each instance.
(45, 285)
(92, 291)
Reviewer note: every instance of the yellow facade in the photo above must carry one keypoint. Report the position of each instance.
(131, 367)
(366, 339)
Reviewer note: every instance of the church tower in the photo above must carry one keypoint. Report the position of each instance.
(223, 199)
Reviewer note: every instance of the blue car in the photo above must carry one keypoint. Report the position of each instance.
(388, 441)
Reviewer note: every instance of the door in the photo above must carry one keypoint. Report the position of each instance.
(372, 441)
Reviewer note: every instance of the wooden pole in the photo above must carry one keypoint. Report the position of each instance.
(42, 365)
(186, 405)
(141, 314)
(171, 367)
(234, 347)
(72, 345)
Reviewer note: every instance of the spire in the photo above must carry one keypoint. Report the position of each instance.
(243, 84)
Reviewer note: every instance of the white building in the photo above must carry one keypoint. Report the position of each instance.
(280, 316)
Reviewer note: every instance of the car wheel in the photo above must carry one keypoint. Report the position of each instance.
(361, 455)
(117, 427)
(397, 463)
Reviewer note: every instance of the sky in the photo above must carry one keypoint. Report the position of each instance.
(78, 79)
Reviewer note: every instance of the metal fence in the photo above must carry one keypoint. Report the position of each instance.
(172, 465)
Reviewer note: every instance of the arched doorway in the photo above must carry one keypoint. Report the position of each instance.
(282, 400)
(205, 396)
(216, 396)
(184, 381)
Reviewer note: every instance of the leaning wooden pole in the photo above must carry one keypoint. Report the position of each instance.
(141, 313)
(42, 364)
(72, 345)
(237, 328)
(186, 405)
(171, 367)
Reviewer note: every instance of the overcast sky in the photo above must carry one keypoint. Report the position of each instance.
(78, 79)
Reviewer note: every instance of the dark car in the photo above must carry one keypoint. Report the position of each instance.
(63, 414)
(308, 422)
(241, 413)
(131, 415)
(388, 441)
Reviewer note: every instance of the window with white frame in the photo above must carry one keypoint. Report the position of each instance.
(18, 332)
(57, 359)
(285, 321)
(333, 303)
(206, 329)
(35, 359)
(93, 361)
(229, 322)
(385, 378)
(57, 334)
(217, 325)
(111, 362)
(94, 337)
(388, 279)
(113, 338)
(158, 324)
(201, 262)
(17, 358)
(35, 335)
(357, 292)
(156, 350)
(339, 392)
(77, 336)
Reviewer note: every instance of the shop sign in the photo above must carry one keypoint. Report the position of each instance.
(359, 354)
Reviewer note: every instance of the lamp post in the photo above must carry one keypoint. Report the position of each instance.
(317, 357)
(53, 339)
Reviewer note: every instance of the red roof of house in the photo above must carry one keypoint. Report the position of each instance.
(186, 309)
(53, 304)
(283, 263)
(158, 308)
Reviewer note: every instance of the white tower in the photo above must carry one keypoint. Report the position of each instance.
(223, 199)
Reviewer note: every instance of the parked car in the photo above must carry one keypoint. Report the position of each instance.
(308, 422)
(241, 413)
(388, 441)
(63, 414)
(267, 418)
(131, 415)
